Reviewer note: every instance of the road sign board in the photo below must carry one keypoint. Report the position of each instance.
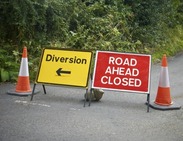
(64, 67)
(122, 72)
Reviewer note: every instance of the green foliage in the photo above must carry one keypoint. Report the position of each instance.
(171, 46)
(140, 26)
(8, 61)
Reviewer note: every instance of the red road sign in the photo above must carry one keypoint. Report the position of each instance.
(122, 72)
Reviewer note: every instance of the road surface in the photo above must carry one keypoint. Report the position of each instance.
(60, 116)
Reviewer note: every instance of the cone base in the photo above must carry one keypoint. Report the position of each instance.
(14, 92)
(163, 108)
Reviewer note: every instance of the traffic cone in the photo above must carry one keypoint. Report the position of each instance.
(23, 84)
(163, 99)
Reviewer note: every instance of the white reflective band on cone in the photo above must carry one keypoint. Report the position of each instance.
(24, 71)
(164, 77)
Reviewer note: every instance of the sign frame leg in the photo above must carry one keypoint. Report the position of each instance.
(90, 96)
(91, 89)
(85, 96)
(33, 91)
(148, 102)
(44, 89)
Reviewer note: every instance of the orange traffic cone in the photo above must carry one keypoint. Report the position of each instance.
(163, 99)
(23, 84)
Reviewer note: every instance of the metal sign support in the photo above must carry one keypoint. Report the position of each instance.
(34, 87)
(90, 92)
(148, 101)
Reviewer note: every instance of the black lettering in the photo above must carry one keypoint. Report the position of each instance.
(66, 59)
(84, 61)
(71, 60)
(74, 60)
(48, 57)
(62, 59)
(53, 58)
(78, 61)
(56, 59)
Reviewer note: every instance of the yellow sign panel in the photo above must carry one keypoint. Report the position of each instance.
(64, 67)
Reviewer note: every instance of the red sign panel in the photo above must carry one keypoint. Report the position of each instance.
(122, 71)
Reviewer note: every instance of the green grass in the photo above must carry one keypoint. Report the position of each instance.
(172, 46)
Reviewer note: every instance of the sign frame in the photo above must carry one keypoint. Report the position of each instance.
(126, 90)
(67, 50)
(96, 76)
(58, 72)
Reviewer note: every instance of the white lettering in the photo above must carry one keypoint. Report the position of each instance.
(117, 81)
(128, 72)
(108, 70)
(135, 72)
(138, 82)
(115, 70)
(109, 82)
(125, 81)
(122, 71)
(104, 81)
(119, 61)
(133, 62)
(111, 60)
(126, 62)
(128, 82)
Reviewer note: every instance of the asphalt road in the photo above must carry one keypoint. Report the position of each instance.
(60, 116)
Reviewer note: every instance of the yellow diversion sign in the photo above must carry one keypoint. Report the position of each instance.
(64, 67)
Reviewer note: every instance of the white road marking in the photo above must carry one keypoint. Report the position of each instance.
(31, 103)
